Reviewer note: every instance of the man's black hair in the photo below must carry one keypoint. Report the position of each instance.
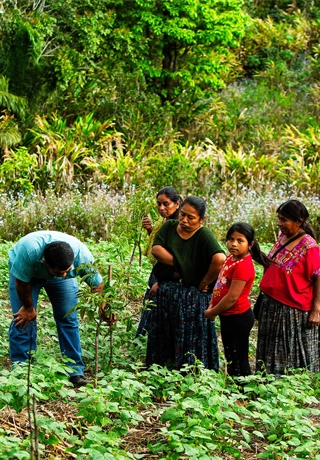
(59, 254)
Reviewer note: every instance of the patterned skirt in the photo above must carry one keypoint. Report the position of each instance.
(148, 303)
(178, 331)
(284, 339)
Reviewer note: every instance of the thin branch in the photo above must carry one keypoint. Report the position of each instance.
(36, 429)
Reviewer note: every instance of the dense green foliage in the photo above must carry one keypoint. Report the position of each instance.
(197, 93)
(133, 413)
(101, 104)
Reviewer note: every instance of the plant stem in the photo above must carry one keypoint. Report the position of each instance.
(32, 453)
(111, 326)
(96, 362)
(35, 424)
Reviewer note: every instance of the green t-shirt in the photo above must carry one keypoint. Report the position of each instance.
(194, 255)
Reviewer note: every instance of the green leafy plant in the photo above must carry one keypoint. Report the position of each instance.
(195, 413)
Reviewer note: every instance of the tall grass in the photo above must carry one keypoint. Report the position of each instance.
(103, 214)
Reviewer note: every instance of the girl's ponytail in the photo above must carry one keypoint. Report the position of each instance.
(259, 256)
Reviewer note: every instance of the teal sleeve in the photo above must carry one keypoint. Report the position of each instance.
(84, 265)
(90, 275)
(21, 266)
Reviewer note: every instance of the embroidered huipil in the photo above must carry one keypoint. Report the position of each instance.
(290, 280)
(243, 270)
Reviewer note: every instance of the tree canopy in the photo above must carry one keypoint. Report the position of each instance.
(184, 86)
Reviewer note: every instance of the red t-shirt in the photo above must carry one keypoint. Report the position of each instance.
(290, 280)
(243, 270)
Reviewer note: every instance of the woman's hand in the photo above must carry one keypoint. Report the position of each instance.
(210, 314)
(215, 266)
(314, 315)
(203, 287)
(147, 224)
(227, 301)
(314, 318)
(154, 289)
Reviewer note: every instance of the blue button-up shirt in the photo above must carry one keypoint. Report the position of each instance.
(26, 258)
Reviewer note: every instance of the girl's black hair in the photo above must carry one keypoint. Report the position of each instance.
(173, 195)
(197, 203)
(296, 211)
(247, 231)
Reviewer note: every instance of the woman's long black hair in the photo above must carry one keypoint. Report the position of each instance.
(197, 203)
(296, 211)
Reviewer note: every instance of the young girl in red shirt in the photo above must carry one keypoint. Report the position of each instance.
(230, 299)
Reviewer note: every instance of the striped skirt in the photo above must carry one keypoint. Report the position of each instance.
(148, 303)
(178, 331)
(284, 339)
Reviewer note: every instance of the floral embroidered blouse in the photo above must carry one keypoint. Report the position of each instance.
(290, 280)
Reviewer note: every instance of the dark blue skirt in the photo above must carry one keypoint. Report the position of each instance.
(148, 303)
(178, 332)
(285, 340)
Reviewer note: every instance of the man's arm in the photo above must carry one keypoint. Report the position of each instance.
(27, 313)
(98, 289)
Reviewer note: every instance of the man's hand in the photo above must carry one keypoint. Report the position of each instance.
(24, 316)
(98, 289)
(110, 320)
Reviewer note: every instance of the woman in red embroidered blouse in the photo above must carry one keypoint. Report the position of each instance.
(230, 299)
(289, 318)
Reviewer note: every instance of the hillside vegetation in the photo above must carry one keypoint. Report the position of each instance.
(201, 94)
(103, 102)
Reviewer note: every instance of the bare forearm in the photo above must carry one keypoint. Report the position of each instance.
(316, 295)
(223, 305)
(314, 315)
(24, 291)
(213, 270)
(228, 300)
(162, 255)
(27, 312)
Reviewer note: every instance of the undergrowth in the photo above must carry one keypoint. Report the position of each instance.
(190, 414)
(101, 214)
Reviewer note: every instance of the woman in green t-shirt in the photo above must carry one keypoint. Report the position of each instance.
(178, 331)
